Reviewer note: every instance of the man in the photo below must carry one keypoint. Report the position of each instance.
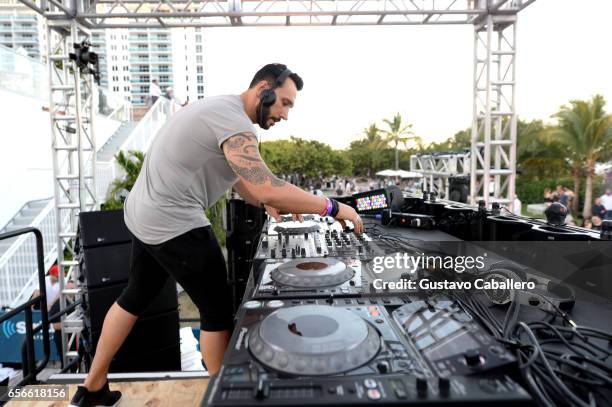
(606, 201)
(598, 209)
(204, 149)
(154, 91)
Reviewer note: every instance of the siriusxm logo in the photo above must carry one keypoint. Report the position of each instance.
(10, 328)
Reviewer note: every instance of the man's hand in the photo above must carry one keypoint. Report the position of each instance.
(276, 214)
(347, 213)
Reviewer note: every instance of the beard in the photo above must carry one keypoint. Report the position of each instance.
(263, 116)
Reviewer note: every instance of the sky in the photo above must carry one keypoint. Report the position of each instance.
(355, 76)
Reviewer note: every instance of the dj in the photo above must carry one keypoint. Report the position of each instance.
(204, 149)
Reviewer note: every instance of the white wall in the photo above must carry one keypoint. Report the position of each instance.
(26, 169)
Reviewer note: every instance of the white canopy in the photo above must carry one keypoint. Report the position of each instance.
(399, 173)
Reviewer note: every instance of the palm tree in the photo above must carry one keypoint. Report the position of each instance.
(397, 133)
(131, 163)
(586, 130)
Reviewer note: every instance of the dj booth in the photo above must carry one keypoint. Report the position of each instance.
(436, 303)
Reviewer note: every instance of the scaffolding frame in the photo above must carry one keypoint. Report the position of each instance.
(437, 168)
(72, 99)
(73, 140)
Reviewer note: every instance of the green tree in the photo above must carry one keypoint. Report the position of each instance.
(131, 163)
(397, 134)
(586, 130)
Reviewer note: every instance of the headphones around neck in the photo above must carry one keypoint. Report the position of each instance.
(268, 96)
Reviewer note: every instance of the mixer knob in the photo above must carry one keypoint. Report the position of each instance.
(303, 252)
(273, 253)
(472, 357)
(383, 367)
(293, 253)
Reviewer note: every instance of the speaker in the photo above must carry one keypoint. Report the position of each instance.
(244, 225)
(104, 265)
(459, 189)
(243, 219)
(97, 302)
(166, 360)
(152, 345)
(99, 228)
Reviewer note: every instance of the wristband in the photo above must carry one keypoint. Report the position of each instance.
(335, 208)
(330, 207)
(325, 210)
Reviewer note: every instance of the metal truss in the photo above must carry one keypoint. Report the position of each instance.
(438, 168)
(493, 170)
(71, 109)
(228, 13)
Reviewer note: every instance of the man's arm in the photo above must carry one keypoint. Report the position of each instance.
(242, 154)
(245, 194)
(256, 179)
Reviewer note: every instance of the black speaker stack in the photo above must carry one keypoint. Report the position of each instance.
(244, 226)
(104, 259)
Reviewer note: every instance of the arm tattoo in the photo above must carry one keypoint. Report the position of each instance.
(243, 157)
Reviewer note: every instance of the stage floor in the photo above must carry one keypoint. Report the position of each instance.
(159, 393)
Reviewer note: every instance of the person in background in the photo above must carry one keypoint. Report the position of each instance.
(596, 220)
(548, 196)
(562, 197)
(517, 206)
(598, 209)
(52, 289)
(606, 201)
(154, 91)
(587, 224)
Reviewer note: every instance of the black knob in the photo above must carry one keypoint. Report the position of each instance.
(303, 252)
(284, 252)
(264, 244)
(555, 214)
(383, 367)
(472, 357)
(273, 253)
(444, 386)
(306, 236)
(293, 253)
(421, 386)
(330, 300)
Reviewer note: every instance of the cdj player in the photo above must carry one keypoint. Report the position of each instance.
(357, 351)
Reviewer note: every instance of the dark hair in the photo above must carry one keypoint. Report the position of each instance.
(270, 72)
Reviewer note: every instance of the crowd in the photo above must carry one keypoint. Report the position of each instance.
(600, 211)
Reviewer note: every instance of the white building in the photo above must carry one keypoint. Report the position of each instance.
(131, 58)
(22, 28)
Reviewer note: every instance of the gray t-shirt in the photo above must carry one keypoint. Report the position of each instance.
(185, 170)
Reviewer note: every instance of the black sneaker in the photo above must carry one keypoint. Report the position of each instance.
(103, 397)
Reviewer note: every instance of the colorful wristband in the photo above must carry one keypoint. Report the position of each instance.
(330, 207)
(325, 209)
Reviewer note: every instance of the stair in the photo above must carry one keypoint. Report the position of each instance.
(110, 148)
(23, 218)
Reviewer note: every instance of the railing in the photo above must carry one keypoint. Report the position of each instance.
(139, 140)
(19, 255)
(22, 74)
(29, 366)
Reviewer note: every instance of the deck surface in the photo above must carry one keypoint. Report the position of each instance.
(160, 393)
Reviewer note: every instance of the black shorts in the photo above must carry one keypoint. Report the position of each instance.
(194, 259)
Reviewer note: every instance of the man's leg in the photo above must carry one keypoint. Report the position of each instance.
(212, 346)
(146, 279)
(196, 262)
(117, 325)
